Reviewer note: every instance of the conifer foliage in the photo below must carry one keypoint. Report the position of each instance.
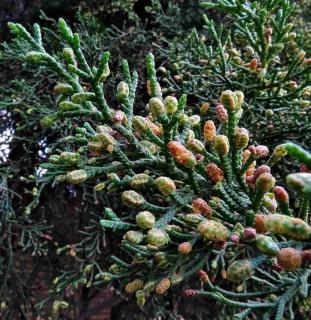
(193, 198)
(257, 49)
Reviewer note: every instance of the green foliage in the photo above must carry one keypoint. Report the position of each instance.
(258, 50)
(26, 96)
(31, 97)
(198, 202)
